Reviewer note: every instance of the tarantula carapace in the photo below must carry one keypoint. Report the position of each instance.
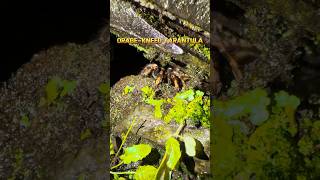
(171, 75)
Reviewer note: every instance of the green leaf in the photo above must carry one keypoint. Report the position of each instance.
(115, 177)
(186, 95)
(52, 90)
(190, 145)
(285, 100)
(128, 89)
(253, 104)
(189, 105)
(25, 121)
(145, 173)
(135, 153)
(68, 87)
(173, 151)
(199, 93)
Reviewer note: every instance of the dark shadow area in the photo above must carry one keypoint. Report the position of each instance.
(228, 9)
(125, 60)
(31, 26)
(153, 158)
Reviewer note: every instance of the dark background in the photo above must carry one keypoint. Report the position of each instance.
(125, 60)
(31, 26)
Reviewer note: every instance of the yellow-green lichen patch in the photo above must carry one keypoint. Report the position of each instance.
(161, 132)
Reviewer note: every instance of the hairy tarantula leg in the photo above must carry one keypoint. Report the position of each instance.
(234, 66)
(232, 62)
(183, 83)
(169, 71)
(148, 69)
(215, 79)
(175, 80)
(155, 73)
(176, 85)
(183, 80)
(160, 77)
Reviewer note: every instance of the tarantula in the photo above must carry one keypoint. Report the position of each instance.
(233, 48)
(172, 75)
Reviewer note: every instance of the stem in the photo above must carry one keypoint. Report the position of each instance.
(128, 172)
(117, 165)
(161, 166)
(124, 139)
(178, 131)
(163, 159)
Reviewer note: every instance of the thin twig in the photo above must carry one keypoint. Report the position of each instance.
(124, 139)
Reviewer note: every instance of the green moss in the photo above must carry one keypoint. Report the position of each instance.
(308, 146)
(148, 96)
(269, 150)
(305, 145)
(189, 104)
(289, 104)
(104, 88)
(157, 106)
(85, 134)
(200, 48)
(147, 92)
(140, 48)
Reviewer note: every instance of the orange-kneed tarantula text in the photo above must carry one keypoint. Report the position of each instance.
(171, 75)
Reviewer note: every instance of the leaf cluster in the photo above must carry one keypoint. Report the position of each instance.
(57, 89)
(169, 162)
(186, 105)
